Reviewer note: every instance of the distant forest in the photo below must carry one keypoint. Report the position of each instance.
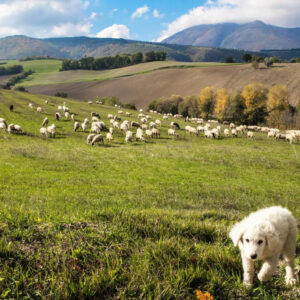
(112, 62)
(15, 69)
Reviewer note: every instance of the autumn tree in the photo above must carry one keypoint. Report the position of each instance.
(189, 107)
(235, 109)
(222, 99)
(278, 105)
(207, 102)
(255, 96)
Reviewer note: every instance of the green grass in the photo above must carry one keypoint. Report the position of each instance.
(47, 71)
(142, 220)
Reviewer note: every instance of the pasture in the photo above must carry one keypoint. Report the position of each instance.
(127, 221)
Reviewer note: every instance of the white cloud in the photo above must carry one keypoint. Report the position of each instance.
(139, 12)
(86, 4)
(95, 15)
(113, 11)
(157, 14)
(276, 12)
(42, 18)
(115, 31)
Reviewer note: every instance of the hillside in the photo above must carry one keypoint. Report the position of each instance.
(253, 36)
(141, 89)
(142, 220)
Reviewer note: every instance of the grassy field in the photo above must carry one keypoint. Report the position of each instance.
(132, 221)
(47, 71)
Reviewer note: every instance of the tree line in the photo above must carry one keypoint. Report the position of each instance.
(112, 62)
(11, 70)
(255, 104)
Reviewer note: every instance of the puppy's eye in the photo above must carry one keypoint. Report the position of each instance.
(260, 242)
(247, 240)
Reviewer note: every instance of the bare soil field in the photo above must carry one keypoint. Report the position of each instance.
(144, 88)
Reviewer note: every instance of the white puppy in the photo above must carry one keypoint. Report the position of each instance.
(265, 235)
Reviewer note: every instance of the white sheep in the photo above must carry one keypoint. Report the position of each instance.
(289, 138)
(44, 132)
(111, 130)
(73, 117)
(76, 126)
(250, 134)
(98, 139)
(90, 138)
(45, 122)
(83, 126)
(30, 105)
(234, 132)
(67, 115)
(95, 129)
(172, 132)
(129, 136)
(149, 133)
(110, 116)
(109, 137)
(226, 132)
(158, 122)
(39, 109)
(52, 130)
(155, 132)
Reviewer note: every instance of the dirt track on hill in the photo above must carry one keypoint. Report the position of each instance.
(142, 89)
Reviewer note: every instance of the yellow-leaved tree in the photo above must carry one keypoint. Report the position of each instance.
(255, 96)
(277, 105)
(222, 100)
(207, 102)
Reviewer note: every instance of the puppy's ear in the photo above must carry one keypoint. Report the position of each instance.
(236, 233)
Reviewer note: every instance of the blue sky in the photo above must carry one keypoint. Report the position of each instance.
(151, 20)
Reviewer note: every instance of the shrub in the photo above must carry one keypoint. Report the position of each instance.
(61, 94)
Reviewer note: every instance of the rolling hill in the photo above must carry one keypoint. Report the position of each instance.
(141, 89)
(253, 36)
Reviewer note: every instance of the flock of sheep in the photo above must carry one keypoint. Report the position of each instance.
(146, 127)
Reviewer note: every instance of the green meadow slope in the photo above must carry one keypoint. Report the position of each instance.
(141, 220)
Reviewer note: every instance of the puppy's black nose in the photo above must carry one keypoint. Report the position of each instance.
(253, 256)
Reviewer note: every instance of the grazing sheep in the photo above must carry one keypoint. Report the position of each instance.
(271, 134)
(144, 120)
(11, 108)
(120, 112)
(226, 132)
(192, 131)
(90, 102)
(73, 117)
(135, 124)
(117, 118)
(158, 122)
(30, 105)
(216, 132)
(90, 138)
(45, 122)
(250, 134)
(231, 125)
(140, 135)
(265, 235)
(149, 133)
(59, 107)
(95, 129)
(155, 132)
(115, 124)
(165, 117)
(57, 116)
(44, 132)
(124, 126)
(280, 136)
(289, 138)
(234, 132)
(67, 115)
(52, 130)
(172, 132)
(83, 126)
(201, 128)
(109, 137)
(95, 119)
(128, 114)
(111, 130)
(209, 134)
(39, 109)
(175, 125)
(76, 126)
(12, 128)
(95, 114)
(98, 139)
(110, 116)
(3, 126)
(129, 136)
(144, 126)
(86, 121)
(46, 101)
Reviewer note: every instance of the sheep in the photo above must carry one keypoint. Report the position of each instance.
(120, 112)
(128, 114)
(140, 135)
(57, 116)
(250, 134)
(216, 132)
(265, 235)
(46, 101)
(135, 124)
(172, 132)
(144, 126)
(149, 133)
(280, 136)
(234, 132)
(226, 132)
(12, 128)
(39, 109)
(117, 118)
(95, 129)
(59, 107)
(52, 130)
(271, 134)
(232, 125)
(144, 120)
(76, 126)
(90, 102)
(44, 132)
(95, 114)
(90, 138)
(200, 128)
(3, 126)
(155, 132)
(158, 122)
(124, 126)
(193, 131)
(175, 125)
(209, 134)
(110, 116)
(73, 117)
(95, 119)
(100, 125)
(289, 138)
(67, 115)
(86, 121)
(129, 136)
(11, 108)
(187, 128)
(165, 117)
(30, 105)
(97, 139)
(83, 126)
(109, 137)
(45, 122)
(111, 130)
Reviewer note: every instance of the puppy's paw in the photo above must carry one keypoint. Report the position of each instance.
(247, 283)
(290, 281)
(262, 276)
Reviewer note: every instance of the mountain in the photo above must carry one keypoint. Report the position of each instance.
(253, 36)
(16, 47)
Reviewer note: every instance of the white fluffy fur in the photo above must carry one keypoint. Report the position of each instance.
(265, 235)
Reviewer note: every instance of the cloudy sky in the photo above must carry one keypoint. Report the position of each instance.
(136, 19)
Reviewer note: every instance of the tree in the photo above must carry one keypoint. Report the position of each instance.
(278, 104)
(189, 107)
(207, 102)
(255, 96)
(229, 60)
(234, 111)
(150, 56)
(222, 100)
(247, 57)
(137, 58)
